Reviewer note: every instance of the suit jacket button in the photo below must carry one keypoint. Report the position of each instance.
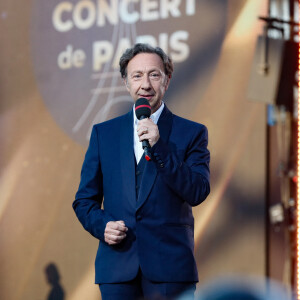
(161, 165)
(139, 217)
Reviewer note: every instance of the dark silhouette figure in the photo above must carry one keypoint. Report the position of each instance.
(52, 274)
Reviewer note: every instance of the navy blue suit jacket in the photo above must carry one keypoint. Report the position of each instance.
(160, 239)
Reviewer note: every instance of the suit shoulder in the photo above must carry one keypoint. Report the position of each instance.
(188, 124)
(112, 123)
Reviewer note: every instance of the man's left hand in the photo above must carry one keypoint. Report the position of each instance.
(148, 130)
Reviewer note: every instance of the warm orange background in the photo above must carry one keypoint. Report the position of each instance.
(40, 167)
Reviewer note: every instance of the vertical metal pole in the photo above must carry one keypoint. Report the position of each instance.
(267, 202)
(292, 14)
(297, 235)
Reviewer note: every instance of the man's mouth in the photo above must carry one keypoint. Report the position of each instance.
(148, 97)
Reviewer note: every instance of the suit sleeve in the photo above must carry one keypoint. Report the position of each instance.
(189, 178)
(89, 197)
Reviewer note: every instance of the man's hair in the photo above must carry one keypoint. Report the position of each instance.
(130, 53)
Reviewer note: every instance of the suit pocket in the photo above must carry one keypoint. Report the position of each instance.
(179, 225)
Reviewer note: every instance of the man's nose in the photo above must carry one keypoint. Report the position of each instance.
(146, 84)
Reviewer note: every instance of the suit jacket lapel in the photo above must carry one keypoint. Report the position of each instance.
(150, 172)
(127, 159)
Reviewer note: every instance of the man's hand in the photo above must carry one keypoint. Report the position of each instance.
(148, 130)
(115, 232)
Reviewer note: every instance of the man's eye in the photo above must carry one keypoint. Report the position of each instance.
(155, 75)
(137, 76)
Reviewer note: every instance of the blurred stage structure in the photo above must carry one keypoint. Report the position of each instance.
(274, 81)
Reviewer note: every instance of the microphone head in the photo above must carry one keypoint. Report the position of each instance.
(142, 108)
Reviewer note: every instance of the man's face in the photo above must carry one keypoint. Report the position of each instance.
(146, 79)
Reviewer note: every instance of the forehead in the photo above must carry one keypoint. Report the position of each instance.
(145, 62)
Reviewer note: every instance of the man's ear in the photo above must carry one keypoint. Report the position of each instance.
(126, 83)
(168, 79)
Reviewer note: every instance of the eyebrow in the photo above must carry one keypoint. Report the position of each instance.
(151, 70)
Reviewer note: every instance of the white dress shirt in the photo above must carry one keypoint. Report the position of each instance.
(137, 145)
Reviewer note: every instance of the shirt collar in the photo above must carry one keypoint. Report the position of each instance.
(155, 116)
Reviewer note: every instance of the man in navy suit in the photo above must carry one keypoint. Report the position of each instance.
(146, 225)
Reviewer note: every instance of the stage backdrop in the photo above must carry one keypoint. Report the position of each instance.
(59, 76)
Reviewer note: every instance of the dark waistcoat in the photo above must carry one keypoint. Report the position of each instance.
(139, 170)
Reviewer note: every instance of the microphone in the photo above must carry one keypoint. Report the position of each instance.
(143, 111)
